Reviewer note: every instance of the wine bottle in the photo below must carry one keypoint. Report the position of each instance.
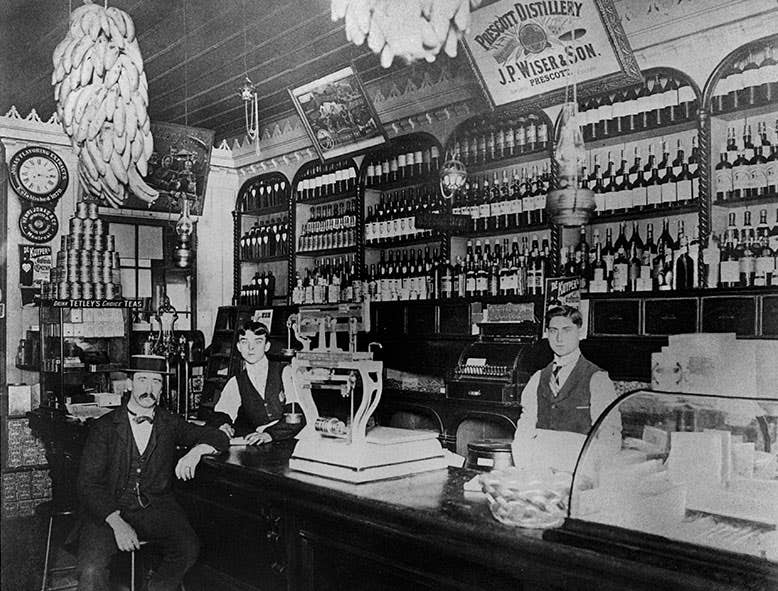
(730, 268)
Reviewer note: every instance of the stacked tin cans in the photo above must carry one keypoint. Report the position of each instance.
(87, 262)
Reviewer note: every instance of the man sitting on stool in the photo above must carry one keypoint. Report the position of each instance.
(124, 482)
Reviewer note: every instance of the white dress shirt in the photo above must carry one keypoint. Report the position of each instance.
(141, 432)
(602, 393)
(229, 400)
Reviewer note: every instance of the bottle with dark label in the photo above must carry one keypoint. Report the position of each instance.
(684, 266)
(747, 260)
(730, 268)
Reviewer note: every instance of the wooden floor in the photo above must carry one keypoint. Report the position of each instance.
(23, 548)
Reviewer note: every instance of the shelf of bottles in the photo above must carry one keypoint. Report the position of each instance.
(262, 237)
(742, 248)
(327, 233)
(401, 181)
(507, 156)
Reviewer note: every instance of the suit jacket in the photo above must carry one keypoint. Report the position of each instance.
(105, 463)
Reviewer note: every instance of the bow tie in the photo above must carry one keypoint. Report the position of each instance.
(140, 418)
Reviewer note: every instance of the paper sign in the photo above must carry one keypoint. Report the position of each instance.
(264, 316)
(34, 268)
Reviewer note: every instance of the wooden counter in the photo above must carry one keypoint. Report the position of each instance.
(266, 527)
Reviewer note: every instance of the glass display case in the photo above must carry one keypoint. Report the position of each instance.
(695, 474)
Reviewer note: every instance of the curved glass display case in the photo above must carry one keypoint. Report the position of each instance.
(696, 475)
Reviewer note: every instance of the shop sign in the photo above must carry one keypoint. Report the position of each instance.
(533, 51)
(566, 291)
(34, 268)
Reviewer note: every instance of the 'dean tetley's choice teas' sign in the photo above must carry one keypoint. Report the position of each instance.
(527, 48)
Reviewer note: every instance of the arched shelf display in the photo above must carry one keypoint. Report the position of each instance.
(327, 229)
(262, 239)
(401, 182)
(741, 214)
(507, 154)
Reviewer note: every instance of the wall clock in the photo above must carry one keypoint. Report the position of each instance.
(38, 174)
(38, 224)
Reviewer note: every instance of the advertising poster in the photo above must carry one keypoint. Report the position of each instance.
(566, 291)
(34, 267)
(522, 49)
(338, 114)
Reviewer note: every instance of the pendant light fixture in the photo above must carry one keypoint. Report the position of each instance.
(248, 93)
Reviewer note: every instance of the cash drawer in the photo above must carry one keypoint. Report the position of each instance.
(729, 314)
(615, 317)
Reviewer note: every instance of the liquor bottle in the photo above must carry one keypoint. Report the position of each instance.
(684, 267)
(637, 190)
(568, 267)
(765, 261)
(665, 239)
(747, 261)
(599, 275)
(608, 254)
(651, 180)
(634, 269)
(711, 261)
(622, 196)
(723, 177)
(620, 281)
(664, 173)
(729, 267)
(740, 170)
(758, 184)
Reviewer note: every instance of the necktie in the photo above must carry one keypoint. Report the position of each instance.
(555, 385)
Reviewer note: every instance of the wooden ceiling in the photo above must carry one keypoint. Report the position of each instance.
(196, 55)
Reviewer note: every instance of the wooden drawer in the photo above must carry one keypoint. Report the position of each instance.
(729, 314)
(454, 318)
(615, 317)
(387, 319)
(770, 316)
(672, 316)
(421, 319)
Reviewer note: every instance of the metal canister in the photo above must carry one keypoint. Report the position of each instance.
(98, 227)
(97, 274)
(331, 426)
(99, 290)
(85, 273)
(74, 241)
(110, 291)
(106, 275)
(92, 209)
(96, 258)
(86, 290)
(76, 225)
(75, 290)
(489, 454)
(115, 261)
(63, 290)
(84, 257)
(98, 242)
(82, 210)
(89, 226)
(72, 272)
(89, 243)
(110, 243)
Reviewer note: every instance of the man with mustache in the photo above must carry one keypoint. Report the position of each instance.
(124, 482)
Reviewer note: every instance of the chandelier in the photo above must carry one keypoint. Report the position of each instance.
(409, 29)
(248, 93)
(453, 176)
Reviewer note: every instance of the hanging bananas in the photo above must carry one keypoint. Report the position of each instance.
(102, 96)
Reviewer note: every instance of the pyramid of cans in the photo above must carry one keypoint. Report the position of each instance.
(87, 262)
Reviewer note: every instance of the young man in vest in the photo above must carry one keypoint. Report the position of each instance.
(569, 394)
(124, 482)
(255, 397)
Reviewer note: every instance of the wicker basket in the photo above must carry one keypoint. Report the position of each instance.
(524, 499)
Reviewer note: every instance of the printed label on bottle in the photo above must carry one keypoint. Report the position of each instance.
(638, 195)
(667, 192)
(723, 183)
(730, 272)
(654, 194)
(620, 276)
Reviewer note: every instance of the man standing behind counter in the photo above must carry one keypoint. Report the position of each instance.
(568, 395)
(255, 398)
(124, 482)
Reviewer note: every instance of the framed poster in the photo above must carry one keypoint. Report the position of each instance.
(338, 114)
(524, 50)
(179, 163)
(566, 291)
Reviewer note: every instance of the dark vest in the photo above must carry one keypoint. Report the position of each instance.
(254, 411)
(570, 410)
(129, 498)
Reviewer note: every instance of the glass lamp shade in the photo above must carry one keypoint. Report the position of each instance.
(453, 176)
(570, 204)
(182, 254)
(184, 225)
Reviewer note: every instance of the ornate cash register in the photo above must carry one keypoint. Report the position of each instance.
(327, 447)
(497, 366)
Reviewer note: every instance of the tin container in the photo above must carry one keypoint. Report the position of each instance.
(84, 258)
(106, 275)
(99, 242)
(98, 227)
(99, 290)
(489, 454)
(82, 210)
(89, 226)
(96, 258)
(63, 290)
(92, 209)
(331, 427)
(110, 244)
(110, 291)
(75, 290)
(85, 274)
(86, 290)
(74, 241)
(76, 225)
(106, 258)
(89, 243)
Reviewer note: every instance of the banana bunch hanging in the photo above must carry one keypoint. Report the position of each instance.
(410, 29)
(102, 95)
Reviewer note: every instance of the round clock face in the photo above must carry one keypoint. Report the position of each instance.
(37, 174)
(38, 224)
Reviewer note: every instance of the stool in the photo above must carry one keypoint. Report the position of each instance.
(46, 571)
(132, 568)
